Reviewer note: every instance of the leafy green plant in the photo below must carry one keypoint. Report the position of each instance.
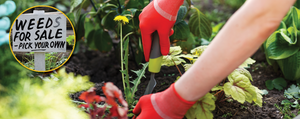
(227, 115)
(100, 20)
(198, 26)
(292, 92)
(35, 99)
(128, 90)
(237, 86)
(93, 26)
(70, 40)
(282, 47)
(278, 83)
(52, 60)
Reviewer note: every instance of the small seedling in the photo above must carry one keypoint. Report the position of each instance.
(163, 83)
(227, 114)
(243, 107)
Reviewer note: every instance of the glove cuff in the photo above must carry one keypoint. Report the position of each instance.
(169, 104)
(168, 8)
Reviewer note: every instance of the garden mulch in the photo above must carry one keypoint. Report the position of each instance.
(105, 67)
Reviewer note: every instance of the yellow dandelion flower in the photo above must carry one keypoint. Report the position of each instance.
(121, 18)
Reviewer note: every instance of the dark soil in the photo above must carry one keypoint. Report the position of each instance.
(104, 67)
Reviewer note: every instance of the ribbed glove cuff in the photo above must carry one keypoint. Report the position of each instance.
(169, 104)
(168, 8)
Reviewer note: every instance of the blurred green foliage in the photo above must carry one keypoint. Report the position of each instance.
(24, 96)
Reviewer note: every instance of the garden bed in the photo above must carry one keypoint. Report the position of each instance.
(104, 67)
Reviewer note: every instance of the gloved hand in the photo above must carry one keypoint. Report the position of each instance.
(163, 105)
(160, 16)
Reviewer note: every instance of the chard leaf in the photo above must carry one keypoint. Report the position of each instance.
(202, 108)
(278, 48)
(247, 63)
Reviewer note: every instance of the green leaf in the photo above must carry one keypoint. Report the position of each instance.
(90, 40)
(187, 66)
(75, 4)
(139, 4)
(198, 50)
(140, 74)
(181, 32)
(199, 24)
(216, 88)
(139, 56)
(176, 50)
(278, 48)
(108, 7)
(247, 63)
(168, 60)
(290, 67)
(278, 83)
(181, 13)
(76, 10)
(237, 87)
(240, 88)
(245, 72)
(202, 108)
(269, 84)
(88, 27)
(291, 92)
(85, 4)
(264, 92)
(187, 45)
(172, 56)
(108, 20)
(102, 40)
(80, 27)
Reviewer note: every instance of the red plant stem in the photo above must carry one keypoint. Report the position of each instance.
(218, 92)
(225, 99)
(177, 67)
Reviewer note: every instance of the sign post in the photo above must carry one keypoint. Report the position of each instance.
(39, 32)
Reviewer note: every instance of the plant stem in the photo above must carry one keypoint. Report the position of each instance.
(121, 47)
(189, 8)
(177, 67)
(225, 99)
(218, 92)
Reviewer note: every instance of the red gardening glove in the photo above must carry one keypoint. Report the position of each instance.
(163, 105)
(160, 16)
